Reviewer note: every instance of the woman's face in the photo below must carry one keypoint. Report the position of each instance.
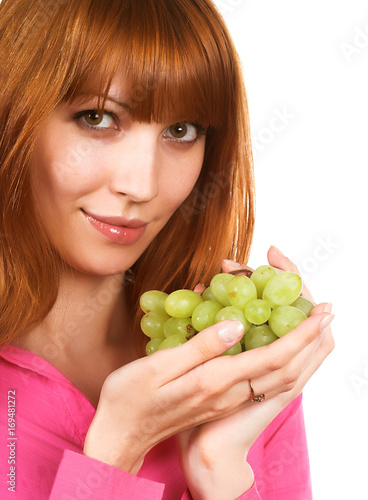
(106, 185)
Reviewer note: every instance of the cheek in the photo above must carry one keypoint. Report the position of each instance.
(178, 182)
(65, 171)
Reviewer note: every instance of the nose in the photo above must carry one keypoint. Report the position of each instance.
(136, 169)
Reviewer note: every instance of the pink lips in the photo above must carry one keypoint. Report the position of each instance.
(117, 229)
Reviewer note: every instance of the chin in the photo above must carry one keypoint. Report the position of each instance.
(103, 266)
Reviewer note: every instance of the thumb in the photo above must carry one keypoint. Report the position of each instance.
(229, 266)
(277, 259)
(206, 345)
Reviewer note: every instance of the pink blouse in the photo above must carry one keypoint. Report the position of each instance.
(44, 419)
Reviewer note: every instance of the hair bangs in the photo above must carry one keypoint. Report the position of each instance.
(167, 54)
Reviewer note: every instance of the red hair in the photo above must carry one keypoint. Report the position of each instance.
(180, 59)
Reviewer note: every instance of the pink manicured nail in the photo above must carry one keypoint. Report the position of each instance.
(325, 321)
(277, 251)
(230, 331)
(232, 263)
(328, 307)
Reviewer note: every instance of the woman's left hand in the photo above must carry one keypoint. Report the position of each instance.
(214, 455)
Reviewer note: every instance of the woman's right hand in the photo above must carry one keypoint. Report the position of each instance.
(155, 397)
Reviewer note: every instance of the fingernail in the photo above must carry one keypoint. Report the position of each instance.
(325, 321)
(230, 330)
(232, 263)
(277, 251)
(328, 307)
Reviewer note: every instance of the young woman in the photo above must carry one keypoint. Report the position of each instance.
(126, 166)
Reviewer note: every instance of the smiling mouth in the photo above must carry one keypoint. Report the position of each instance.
(117, 229)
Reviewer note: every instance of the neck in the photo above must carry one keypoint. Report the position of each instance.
(86, 334)
(90, 314)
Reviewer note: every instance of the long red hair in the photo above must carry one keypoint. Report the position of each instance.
(180, 60)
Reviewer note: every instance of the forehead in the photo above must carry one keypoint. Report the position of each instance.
(158, 81)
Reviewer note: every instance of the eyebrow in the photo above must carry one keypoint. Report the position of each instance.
(123, 105)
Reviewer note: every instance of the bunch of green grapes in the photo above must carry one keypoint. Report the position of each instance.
(268, 305)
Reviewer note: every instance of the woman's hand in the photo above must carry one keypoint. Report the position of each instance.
(155, 397)
(213, 455)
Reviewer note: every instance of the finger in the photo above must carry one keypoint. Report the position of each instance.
(199, 288)
(285, 379)
(294, 375)
(204, 346)
(228, 378)
(229, 266)
(325, 348)
(277, 355)
(221, 391)
(320, 308)
(278, 260)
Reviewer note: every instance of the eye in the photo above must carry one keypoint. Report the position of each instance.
(182, 132)
(95, 120)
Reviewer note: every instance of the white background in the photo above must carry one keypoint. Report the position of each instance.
(308, 62)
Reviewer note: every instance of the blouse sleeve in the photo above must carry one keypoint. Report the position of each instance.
(279, 459)
(251, 494)
(79, 476)
(284, 470)
(282, 473)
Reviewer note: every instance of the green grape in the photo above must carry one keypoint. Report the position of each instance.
(218, 287)
(283, 289)
(207, 294)
(152, 324)
(257, 311)
(241, 290)
(179, 325)
(172, 341)
(235, 349)
(204, 315)
(153, 345)
(153, 300)
(232, 312)
(181, 303)
(258, 336)
(304, 305)
(285, 318)
(261, 276)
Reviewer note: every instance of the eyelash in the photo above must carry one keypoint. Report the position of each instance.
(201, 130)
(77, 117)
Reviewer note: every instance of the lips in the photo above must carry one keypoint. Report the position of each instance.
(117, 229)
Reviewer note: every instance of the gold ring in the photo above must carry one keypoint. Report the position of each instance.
(255, 399)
